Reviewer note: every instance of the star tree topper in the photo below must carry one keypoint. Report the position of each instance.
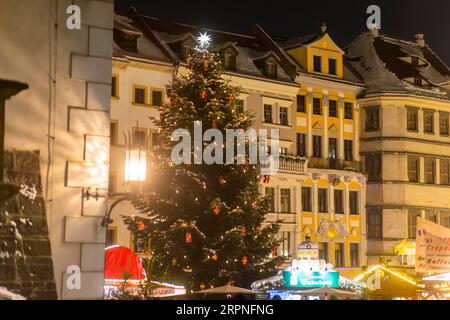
(204, 40)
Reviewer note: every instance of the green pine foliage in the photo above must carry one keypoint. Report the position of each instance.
(205, 223)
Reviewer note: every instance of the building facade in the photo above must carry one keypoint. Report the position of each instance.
(63, 120)
(404, 139)
(319, 191)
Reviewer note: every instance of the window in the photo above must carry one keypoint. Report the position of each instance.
(428, 121)
(348, 110)
(374, 223)
(301, 103)
(317, 146)
(348, 150)
(323, 200)
(323, 251)
(301, 144)
(332, 108)
(418, 81)
(268, 113)
(317, 60)
(306, 199)
(285, 243)
(444, 172)
(413, 169)
(354, 254)
(332, 66)
(445, 219)
(332, 148)
(229, 61)
(431, 215)
(114, 132)
(240, 106)
(140, 137)
(372, 119)
(430, 165)
(270, 192)
(111, 236)
(157, 98)
(283, 151)
(415, 60)
(317, 106)
(285, 200)
(373, 167)
(139, 95)
(339, 256)
(338, 201)
(411, 122)
(443, 123)
(270, 68)
(115, 86)
(412, 222)
(284, 116)
(154, 138)
(354, 203)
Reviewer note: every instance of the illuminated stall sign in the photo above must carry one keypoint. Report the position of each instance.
(313, 279)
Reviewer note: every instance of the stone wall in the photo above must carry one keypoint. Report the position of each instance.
(26, 265)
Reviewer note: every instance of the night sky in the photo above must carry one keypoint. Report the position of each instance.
(345, 18)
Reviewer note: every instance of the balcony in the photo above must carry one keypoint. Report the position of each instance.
(335, 164)
(291, 164)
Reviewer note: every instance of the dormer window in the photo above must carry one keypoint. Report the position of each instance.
(332, 66)
(418, 81)
(270, 68)
(229, 60)
(317, 63)
(186, 51)
(415, 60)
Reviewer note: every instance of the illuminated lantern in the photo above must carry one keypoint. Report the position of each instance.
(141, 226)
(266, 179)
(254, 205)
(231, 97)
(244, 260)
(135, 165)
(222, 181)
(214, 257)
(216, 209)
(174, 261)
(203, 94)
(202, 286)
(243, 231)
(188, 237)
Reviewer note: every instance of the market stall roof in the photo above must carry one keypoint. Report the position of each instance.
(121, 263)
(227, 289)
(438, 277)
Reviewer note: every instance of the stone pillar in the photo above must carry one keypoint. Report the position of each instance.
(341, 128)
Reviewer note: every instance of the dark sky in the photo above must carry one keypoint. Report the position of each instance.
(345, 18)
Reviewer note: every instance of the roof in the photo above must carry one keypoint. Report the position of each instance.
(158, 38)
(383, 62)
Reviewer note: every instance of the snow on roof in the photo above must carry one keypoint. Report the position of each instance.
(383, 64)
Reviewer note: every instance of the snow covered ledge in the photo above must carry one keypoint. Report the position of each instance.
(5, 294)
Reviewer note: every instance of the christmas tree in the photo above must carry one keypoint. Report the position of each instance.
(205, 222)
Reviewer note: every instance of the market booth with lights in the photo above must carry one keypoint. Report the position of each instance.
(308, 278)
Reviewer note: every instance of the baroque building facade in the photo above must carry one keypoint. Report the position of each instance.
(319, 191)
(404, 139)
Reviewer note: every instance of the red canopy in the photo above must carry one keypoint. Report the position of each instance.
(121, 260)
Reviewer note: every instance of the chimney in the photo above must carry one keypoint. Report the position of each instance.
(420, 40)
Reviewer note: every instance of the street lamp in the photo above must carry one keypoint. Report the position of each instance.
(135, 171)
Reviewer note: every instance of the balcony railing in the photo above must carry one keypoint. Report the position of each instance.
(335, 164)
(291, 164)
